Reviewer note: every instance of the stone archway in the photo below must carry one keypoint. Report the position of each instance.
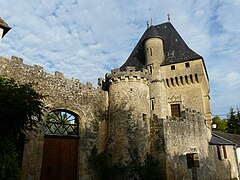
(60, 149)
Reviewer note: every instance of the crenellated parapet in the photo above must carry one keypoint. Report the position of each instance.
(16, 69)
(188, 114)
(130, 75)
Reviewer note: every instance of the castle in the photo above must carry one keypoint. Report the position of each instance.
(156, 103)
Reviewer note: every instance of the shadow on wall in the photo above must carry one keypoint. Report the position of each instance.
(183, 167)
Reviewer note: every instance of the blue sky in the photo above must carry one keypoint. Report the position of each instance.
(86, 39)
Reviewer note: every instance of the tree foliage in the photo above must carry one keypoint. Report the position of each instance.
(134, 169)
(221, 124)
(229, 125)
(20, 107)
(233, 121)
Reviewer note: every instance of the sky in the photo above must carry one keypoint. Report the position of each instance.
(85, 39)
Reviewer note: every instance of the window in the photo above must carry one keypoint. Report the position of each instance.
(192, 160)
(187, 65)
(150, 68)
(61, 122)
(149, 51)
(144, 117)
(152, 103)
(175, 109)
(173, 67)
(222, 152)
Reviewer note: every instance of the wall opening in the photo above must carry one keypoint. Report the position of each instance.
(152, 103)
(192, 160)
(175, 110)
(187, 64)
(221, 151)
(60, 148)
(62, 122)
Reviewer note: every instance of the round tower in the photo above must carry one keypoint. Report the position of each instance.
(154, 57)
(129, 114)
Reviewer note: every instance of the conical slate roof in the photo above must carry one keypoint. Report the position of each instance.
(175, 49)
(4, 26)
(151, 32)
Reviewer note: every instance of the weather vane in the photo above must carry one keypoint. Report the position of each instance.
(149, 23)
(168, 15)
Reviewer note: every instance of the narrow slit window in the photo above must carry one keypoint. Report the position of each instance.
(150, 68)
(152, 104)
(144, 117)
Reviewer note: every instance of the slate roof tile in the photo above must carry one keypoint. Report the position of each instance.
(175, 49)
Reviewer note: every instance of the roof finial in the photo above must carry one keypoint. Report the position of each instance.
(149, 22)
(168, 15)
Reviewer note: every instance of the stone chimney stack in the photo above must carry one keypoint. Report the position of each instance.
(4, 28)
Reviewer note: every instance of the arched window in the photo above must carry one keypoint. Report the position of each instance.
(61, 122)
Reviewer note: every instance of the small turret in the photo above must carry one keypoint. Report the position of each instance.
(154, 55)
(4, 28)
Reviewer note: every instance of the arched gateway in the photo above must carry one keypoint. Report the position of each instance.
(60, 149)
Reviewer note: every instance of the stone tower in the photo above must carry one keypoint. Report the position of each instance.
(179, 77)
(154, 57)
(129, 114)
(4, 28)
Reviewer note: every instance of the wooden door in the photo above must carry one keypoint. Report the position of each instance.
(60, 156)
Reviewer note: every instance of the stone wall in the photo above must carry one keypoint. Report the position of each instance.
(190, 81)
(186, 135)
(190, 135)
(89, 103)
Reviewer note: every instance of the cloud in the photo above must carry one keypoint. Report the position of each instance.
(85, 39)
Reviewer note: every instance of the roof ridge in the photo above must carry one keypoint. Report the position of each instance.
(222, 138)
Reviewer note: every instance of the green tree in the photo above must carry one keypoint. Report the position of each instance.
(233, 121)
(238, 120)
(20, 109)
(221, 124)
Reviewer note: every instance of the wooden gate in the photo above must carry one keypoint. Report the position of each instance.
(60, 155)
